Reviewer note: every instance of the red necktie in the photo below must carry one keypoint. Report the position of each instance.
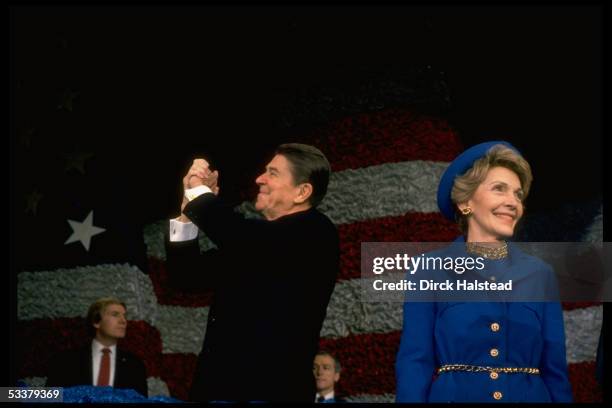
(104, 374)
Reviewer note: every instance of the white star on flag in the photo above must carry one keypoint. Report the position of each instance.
(83, 231)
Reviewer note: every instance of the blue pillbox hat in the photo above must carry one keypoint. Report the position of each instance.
(458, 167)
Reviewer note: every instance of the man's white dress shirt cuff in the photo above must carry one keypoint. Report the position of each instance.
(185, 231)
(196, 192)
(182, 231)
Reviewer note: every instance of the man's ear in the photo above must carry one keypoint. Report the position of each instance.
(304, 193)
(336, 377)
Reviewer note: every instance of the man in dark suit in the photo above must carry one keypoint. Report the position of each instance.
(272, 278)
(101, 362)
(326, 369)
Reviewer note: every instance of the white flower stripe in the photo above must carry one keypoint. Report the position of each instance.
(582, 328)
(182, 329)
(156, 386)
(390, 189)
(594, 233)
(69, 292)
(52, 295)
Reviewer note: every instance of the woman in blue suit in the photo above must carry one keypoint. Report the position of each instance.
(485, 351)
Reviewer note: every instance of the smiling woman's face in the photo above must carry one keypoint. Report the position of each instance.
(496, 206)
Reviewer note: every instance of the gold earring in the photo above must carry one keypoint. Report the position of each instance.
(466, 211)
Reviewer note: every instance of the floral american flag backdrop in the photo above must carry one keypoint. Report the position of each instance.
(107, 121)
(386, 168)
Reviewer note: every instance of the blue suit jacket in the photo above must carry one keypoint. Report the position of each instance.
(531, 334)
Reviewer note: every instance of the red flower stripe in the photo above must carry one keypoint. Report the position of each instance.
(578, 305)
(41, 339)
(369, 139)
(177, 372)
(368, 360)
(584, 385)
(412, 227)
(387, 136)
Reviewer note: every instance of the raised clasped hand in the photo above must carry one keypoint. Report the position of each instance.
(199, 174)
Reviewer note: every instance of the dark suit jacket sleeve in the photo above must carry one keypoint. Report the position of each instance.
(224, 226)
(70, 368)
(131, 373)
(190, 270)
(292, 236)
(140, 377)
(55, 376)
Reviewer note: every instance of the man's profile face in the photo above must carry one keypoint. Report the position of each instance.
(277, 190)
(113, 323)
(324, 370)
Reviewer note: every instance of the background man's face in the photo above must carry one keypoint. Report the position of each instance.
(276, 189)
(113, 323)
(324, 370)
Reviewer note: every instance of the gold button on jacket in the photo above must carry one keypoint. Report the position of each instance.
(494, 352)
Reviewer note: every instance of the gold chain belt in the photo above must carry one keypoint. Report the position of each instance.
(476, 369)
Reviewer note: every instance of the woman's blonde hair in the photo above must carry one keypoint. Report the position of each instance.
(497, 156)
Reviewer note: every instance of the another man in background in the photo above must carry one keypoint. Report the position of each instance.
(100, 362)
(326, 370)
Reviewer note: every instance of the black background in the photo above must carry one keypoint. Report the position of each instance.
(159, 85)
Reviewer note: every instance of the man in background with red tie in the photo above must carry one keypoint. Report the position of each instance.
(101, 363)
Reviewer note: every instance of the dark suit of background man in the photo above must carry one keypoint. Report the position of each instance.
(87, 366)
(272, 278)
